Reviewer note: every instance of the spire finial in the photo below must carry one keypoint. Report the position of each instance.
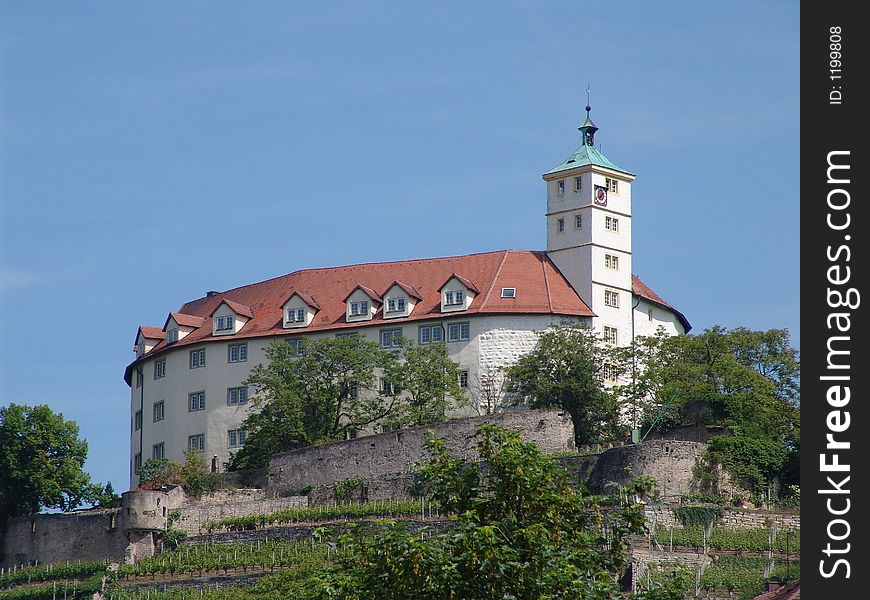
(588, 128)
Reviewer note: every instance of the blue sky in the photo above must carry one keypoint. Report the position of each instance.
(150, 152)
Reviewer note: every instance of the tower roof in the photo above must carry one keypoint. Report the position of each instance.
(587, 155)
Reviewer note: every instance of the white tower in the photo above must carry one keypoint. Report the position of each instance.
(589, 232)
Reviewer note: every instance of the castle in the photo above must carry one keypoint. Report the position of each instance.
(186, 379)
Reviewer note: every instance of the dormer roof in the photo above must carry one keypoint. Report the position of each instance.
(236, 307)
(462, 280)
(310, 301)
(184, 320)
(368, 292)
(413, 293)
(150, 332)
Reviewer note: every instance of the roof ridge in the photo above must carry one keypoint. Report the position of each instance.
(495, 278)
(547, 285)
(363, 264)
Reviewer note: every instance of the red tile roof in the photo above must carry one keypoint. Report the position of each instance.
(187, 320)
(463, 280)
(239, 309)
(150, 332)
(369, 292)
(408, 290)
(644, 291)
(305, 298)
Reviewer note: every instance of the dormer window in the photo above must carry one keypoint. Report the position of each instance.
(396, 305)
(140, 349)
(454, 297)
(172, 336)
(359, 308)
(299, 310)
(225, 323)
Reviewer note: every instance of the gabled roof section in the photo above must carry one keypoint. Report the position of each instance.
(150, 332)
(310, 301)
(639, 288)
(368, 292)
(462, 280)
(408, 290)
(238, 308)
(185, 320)
(586, 156)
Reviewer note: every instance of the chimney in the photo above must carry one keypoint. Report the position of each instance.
(211, 293)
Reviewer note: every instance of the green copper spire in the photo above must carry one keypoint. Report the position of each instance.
(587, 154)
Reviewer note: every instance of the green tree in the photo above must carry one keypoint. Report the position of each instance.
(425, 383)
(193, 474)
(521, 531)
(747, 381)
(41, 461)
(565, 370)
(313, 396)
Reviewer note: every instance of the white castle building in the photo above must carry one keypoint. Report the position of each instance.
(186, 379)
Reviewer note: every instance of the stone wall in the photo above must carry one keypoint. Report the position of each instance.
(398, 453)
(57, 538)
(193, 517)
(736, 518)
(671, 462)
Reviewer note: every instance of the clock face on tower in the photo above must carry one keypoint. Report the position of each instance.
(600, 195)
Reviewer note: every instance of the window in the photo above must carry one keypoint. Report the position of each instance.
(577, 183)
(158, 451)
(353, 389)
(139, 379)
(463, 379)
(611, 224)
(237, 352)
(159, 411)
(390, 389)
(160, 369)
(430, 333)
(508, 292)
(612, 185)
(345, 334)
(237, 396)
(196, 401)
(171, 336)
(226, 323)
(649, 314)
(395, 304)
(295, 315)
(609, 373)
(457, 332)
(296, 345)
(137, 421)
(197, 358)
(196, 442)
(386, 429)
(454, 297)
(359, 308)
(562, 186)
(236, 438)
(611, 334)
(578, 221)
(611, 262)
(561, 225)
(140, 349)
(137, 461)
(611, 298)
(391, 338)
(352, 434)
